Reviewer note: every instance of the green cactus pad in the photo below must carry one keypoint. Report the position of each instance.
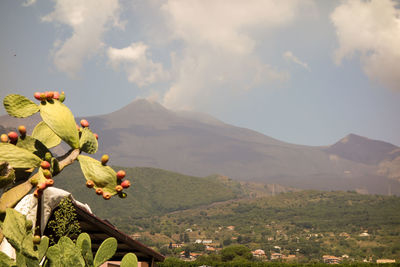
(129, 260)
(33, 145)
(43, 246)
(65, 254)
(60, 119)
(14, 195)
(44, 134)
(5, 260)
(106, 250)
(55, 166)
(14, 230)
(7, 175)
(18, 157)
(84, 243)
(19, 106)
(103, 176)
(88, 142)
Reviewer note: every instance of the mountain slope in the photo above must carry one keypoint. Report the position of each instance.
(146, 134)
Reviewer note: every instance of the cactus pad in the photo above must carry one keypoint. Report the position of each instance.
(129, 260)
(84, 243)
(33, 145)
(65, 254)
(18, 157)
(19, 106)
(103, 176)
(7, 174)
(5, 260)
(106, 250)
(88, 142)
(44, 134)
(60, 119)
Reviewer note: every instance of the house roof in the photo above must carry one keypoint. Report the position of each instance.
(99, 230)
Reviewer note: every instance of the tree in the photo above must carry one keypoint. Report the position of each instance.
(235, 252)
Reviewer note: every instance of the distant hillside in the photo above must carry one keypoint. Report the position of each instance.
(146, 134)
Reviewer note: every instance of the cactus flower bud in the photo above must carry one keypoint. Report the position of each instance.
(28, 225)
(99, 191)
(106, 195)
(84, 123)
(47, 173)
(37, 239)
(62, 97)
(22, 130)
(126, 184)
(4, 138)
(56, 95)
(89, 183)
(96, 135)
(47, 157)
(37, 96)
(49, 182)
(49, 95)
(119, 188)
(13, 136)
(45, 165)
(121, 174)
(40, 187)
(43, 96)
(37, 193)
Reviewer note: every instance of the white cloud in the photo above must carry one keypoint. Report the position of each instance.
(219, 56)
(370, 29)
(89, 20)
(139, 68)
(288, 55)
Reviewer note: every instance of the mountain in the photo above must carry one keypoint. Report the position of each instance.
(146, 134)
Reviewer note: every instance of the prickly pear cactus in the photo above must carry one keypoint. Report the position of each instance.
(19, 106)
(106, 250)
(129, 260)
(65, 254)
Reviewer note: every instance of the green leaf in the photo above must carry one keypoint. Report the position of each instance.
(129, 260)
(60, 119)
(87, 252)
(5, 260)
(7, 174)
(15, 232)
(19, 106)
(106, 250)
(18, 157)
(65, 254)
(43, 246)
(102, 176)
(44, 134)
(88, 142)
(33, 145)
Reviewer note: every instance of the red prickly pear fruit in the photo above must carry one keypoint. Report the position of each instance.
(37, 239)
(56, 95)
(22, 130)
(89, 183)
(43, 96)
(4, 138)
(121, 174)
(13, 136)
(84, 123)
(37, 193)
(37, 96)
(99, 191)
(49, 95)
(62, 97)
(47, 173)
(96, 135)
(126, 184)
(106, 195)
(45, 165)
(104, 159)
(122, 195)
(40, 187)
(49, 182)
(119, 188)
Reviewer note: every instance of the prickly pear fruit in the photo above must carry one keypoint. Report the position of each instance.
(84, 123)
(104, 159)
(28, 225)
(126, 184)
(4, 138)
(106, 195)
(34, 180)
(119, 188)
(45, 165)
(13, 136)
(56, 95)
(37, 193)
(62, 97)
(49, 182)
(122, 195)
(121, 174)
(49, 95)
(47, 173)
(96, 135)
(47, 157)
(40, 187)
(89, 183)
(99, 191)
(22, 130)
(43, 96)
(37, 239)
(37, 96)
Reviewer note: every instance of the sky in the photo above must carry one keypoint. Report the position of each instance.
(302, 71)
